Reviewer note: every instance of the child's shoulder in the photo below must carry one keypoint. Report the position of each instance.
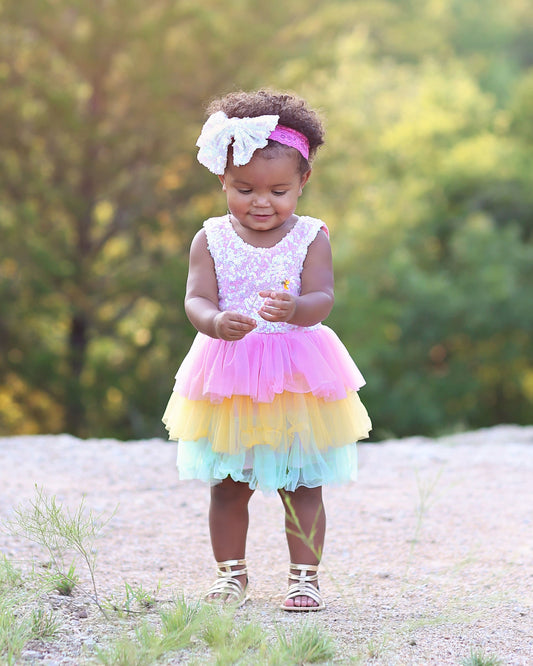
(314, 224)
(216, 229)
(213, 222)
(310, 219)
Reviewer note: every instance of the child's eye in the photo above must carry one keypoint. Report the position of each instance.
(279, 193)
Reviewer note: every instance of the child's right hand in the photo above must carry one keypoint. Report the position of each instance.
(233, 325)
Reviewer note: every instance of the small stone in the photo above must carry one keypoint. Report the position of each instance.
(82, 613)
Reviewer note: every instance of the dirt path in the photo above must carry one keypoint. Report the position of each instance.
(428, 556)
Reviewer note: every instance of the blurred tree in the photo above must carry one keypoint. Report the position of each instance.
(84, 136)
(101, 105)
(432, 235)
(425, 181)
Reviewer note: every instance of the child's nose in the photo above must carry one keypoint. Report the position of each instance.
(261, 200)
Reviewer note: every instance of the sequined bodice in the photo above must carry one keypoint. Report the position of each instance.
(243, 270)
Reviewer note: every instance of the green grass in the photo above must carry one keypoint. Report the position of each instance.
(216, 636)
(138, 629)
(480, 658)
(15, 631)
(61, 532)
(308, 644)
(24, 614)
(66, 583)
(207, 634)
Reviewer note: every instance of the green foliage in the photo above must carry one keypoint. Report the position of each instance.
(425, 182)
(212, 634)
(24, 615)
(65, 583)
(183, 619)
(135, 600)
(44, 624)
(480, 658)
(10, 577)
(232, 641)
(144, 598)
(228, 640)
(61, 531)
(307, 644)
(141, 650)
(15, 632)
(433, 243)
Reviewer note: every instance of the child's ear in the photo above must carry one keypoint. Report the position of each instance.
(303, 180)
(223, 181)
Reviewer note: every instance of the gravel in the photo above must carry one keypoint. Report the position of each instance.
(429, 555)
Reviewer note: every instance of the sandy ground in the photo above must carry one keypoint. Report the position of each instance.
(429, 556)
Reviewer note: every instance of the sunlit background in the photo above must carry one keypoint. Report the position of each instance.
(426, 183)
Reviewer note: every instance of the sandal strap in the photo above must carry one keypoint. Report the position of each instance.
(227, 584)
(303, 576)
(303, 587)
(224, 569)
(304, 590)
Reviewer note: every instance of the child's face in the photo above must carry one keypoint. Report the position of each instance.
(263, 194)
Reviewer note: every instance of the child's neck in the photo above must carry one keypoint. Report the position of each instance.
(267, 238)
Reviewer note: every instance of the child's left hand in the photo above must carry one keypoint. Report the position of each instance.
(278, 305)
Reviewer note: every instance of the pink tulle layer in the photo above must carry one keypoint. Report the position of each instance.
(262, 365)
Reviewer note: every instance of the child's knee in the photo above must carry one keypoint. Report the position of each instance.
(302, 493)
(229, 491)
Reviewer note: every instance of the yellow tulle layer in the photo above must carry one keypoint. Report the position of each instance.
(239, 423)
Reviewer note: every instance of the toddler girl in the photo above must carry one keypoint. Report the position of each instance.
(267, 396)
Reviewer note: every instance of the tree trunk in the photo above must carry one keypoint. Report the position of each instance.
(74, 404)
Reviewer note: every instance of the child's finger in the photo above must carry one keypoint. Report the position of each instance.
(248, 322)
(266, 293)
(242, 319)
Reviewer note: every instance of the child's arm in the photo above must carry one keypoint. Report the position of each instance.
(201, 298)
(316, 298)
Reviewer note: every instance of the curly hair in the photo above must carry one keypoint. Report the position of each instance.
(293, 112)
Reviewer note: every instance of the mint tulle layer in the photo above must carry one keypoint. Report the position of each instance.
(237, 424)
(262, 365)
(266, 468)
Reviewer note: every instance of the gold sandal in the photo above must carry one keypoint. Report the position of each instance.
(303, 588)
(230, 589)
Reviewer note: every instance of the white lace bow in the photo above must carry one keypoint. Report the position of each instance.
(247, 135)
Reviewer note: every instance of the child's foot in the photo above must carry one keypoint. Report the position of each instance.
(230, 586)
(300, 601)
(303, 593)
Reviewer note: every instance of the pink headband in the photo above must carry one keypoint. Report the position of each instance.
(245, 136)
(291, 137)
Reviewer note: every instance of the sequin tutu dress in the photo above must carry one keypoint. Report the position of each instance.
(278, 408)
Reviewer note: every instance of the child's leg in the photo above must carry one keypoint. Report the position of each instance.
(228, 521)
(305, 526)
